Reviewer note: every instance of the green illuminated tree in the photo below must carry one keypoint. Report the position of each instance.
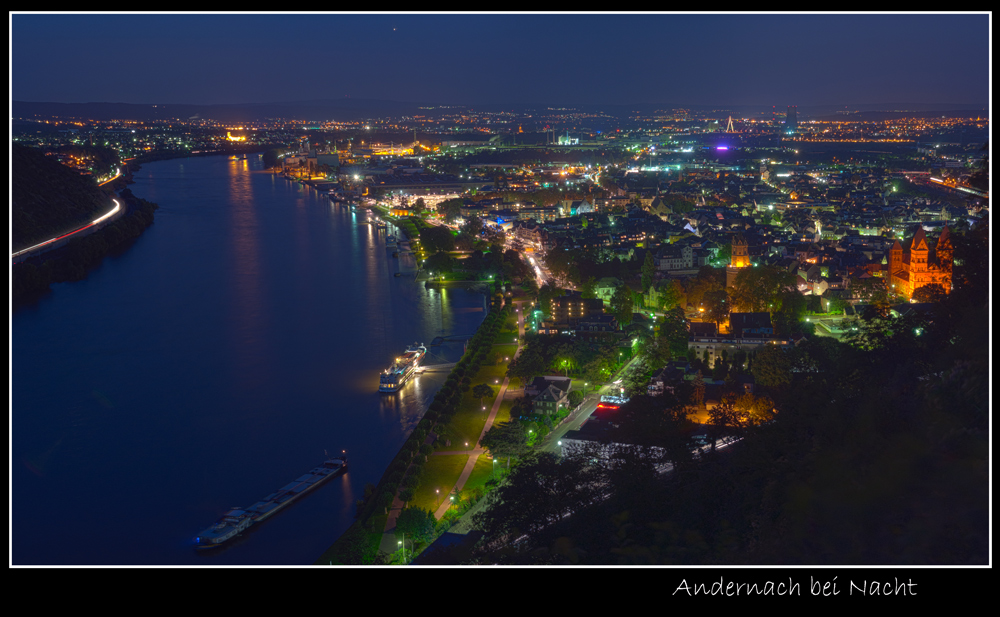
(648, 270)
(506, 439)
(483, 391)
(758, 289)
(621, 305)
(416, 523)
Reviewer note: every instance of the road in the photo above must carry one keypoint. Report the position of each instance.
(52, 243)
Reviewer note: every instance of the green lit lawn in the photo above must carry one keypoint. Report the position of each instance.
(491, 374)
(505, 351)
(482, 473)
(440, 472)
(506, 338)
(510, 324)
(578, 386)
(468, 423)
(503, 414)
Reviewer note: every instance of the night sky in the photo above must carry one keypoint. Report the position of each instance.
(756, 59)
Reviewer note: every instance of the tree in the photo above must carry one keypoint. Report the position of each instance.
(772, 367)
(788, 311)
(416, 523)
(621, 305)
(505, 439)
(716, 305)
(708, 279)
(451, 209)
(546, 294)
(473, 226)
(725, 416)
(930, 293)
(672, 341)
(464, 242)
(868, 289)
(758, 289)
(698, 394)
(669, 295)
(483, 391)
(436, 239)
(725, 254)
(540, 491)
(754, 410)
(648, 270)
(439, 262)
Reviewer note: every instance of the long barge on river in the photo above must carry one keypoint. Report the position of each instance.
(237, 520)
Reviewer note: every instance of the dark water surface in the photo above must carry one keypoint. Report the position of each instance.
(210, 364)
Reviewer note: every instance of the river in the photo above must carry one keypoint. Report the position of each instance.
(211, 363)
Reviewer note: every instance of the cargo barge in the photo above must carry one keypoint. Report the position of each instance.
(237, 520)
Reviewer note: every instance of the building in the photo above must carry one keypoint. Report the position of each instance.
(550, 394)
(748, 331)
(596, 328)
(606, 287)
(739, 259)
(791, 119)
(571, 309)
(673, 257)
(914, 264)
(743, 325)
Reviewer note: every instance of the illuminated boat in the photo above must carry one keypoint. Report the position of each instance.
(394, 378)
(237, 520)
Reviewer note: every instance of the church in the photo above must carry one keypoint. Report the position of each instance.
(915, 264)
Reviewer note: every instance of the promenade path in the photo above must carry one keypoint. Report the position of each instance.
(389, 543)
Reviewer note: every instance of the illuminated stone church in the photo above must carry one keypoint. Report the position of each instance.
(915, 264)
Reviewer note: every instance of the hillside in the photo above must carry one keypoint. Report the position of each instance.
(48, 198)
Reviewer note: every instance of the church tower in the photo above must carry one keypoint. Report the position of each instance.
(739, 259)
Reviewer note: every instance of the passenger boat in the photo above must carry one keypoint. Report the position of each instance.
(394, 378)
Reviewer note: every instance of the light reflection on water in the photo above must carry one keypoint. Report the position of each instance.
(213, 362)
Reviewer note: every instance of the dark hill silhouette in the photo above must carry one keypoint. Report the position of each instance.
(48, 198)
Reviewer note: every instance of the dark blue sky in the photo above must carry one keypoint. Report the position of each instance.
(757, 59)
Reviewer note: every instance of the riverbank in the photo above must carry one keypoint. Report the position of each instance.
(32, 278)
(423, 466)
